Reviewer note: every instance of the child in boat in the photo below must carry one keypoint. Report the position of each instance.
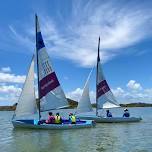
(58, 119)
(109, 114)
(50, 119)
(126, 113)
(72, 118)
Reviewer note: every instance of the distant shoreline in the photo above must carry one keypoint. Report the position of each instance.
(73, 104)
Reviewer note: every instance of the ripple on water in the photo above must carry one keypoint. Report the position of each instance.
(133, 137)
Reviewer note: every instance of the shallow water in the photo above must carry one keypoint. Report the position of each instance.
(125, 137)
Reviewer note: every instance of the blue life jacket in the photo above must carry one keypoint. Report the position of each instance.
(109, 114)
(126, 114)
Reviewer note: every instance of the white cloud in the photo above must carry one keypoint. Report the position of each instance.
(12, 78)
(132, 84)
(120, 25)
(76, 94)
(118, 92)
(121, 95)
(24, 40)
(9, 89)
(9, 94)
(5, 69)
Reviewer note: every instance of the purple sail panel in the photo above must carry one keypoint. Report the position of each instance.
(48, 83)
(102, 88)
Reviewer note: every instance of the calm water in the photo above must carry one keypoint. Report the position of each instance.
(128, 137)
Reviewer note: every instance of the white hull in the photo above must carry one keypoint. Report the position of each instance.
(99, 119)
(24, 124)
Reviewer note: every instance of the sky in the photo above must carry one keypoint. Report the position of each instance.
(70, 29)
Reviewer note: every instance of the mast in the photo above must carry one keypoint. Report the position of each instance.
(98, 60)
(36, 20)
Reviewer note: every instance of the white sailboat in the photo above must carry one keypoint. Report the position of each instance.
(104, 99)
(50, 93)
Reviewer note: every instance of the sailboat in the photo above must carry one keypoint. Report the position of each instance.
(50, 93)
(104, 99)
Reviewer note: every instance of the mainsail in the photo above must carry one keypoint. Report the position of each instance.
(50, 92)
(27, 101)
(104, 96)
(84, 104)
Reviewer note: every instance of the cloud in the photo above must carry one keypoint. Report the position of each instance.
(11, 78)
(118, 92)
(134, 94)
(76, 94)
(133, 85)
(23, 39)
(9, 94)
(6, 69)
(9, 89)
(120, 25)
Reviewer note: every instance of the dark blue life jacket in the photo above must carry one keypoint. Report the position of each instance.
(126, 114)
(109, 114)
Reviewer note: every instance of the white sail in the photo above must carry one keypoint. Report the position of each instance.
(84, 104)
(109, 105)
(50, 92)
(105, 98)
(27, 101)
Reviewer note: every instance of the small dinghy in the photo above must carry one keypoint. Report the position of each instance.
(50, 93)
(104, 99)
(33, 124)
(99, 119)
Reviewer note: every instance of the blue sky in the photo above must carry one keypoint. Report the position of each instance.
(70, 30)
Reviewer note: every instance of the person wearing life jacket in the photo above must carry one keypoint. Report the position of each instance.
(58, 119)
(72, 118)
(50, 119)
(126, 113)
(109, 114)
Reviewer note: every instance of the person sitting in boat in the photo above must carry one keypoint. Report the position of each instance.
(58, 119)
(109, 114)
(51, 118)
(126, 113)
(72, 118)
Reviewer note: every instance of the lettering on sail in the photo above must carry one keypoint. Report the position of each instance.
(48, 83)
(102, 88)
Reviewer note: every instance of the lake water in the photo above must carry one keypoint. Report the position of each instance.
(126, 137)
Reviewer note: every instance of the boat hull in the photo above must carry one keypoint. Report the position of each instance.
(32, 125)
(99, 119)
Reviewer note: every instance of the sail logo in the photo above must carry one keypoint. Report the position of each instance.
(48, 83)
(102, 88)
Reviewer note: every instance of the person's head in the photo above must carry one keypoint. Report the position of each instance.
(125, 110)
(50, 113)
(70, 114)
(107, 111)
(57, 114)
